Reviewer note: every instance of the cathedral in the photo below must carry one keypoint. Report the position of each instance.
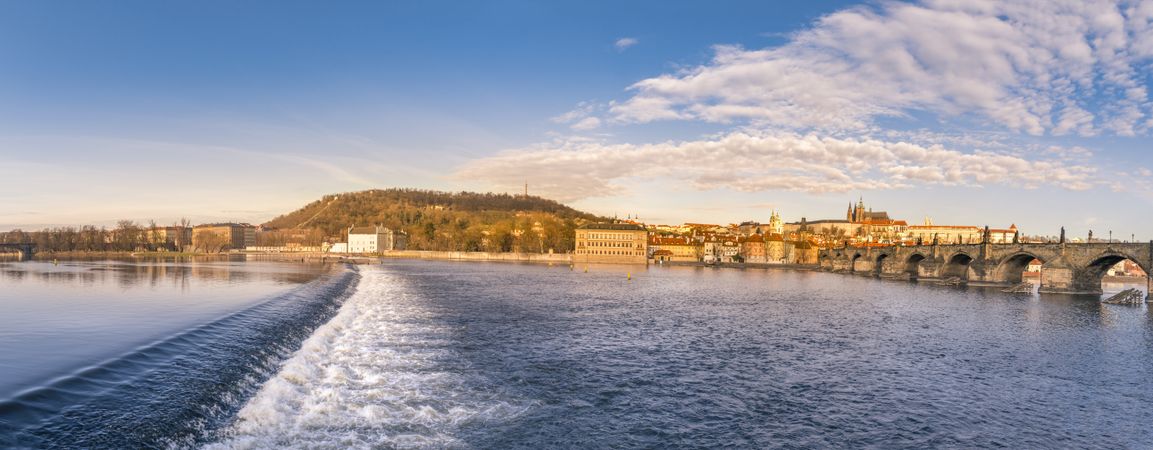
(860, 215)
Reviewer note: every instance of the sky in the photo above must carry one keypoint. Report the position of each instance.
(970, 112)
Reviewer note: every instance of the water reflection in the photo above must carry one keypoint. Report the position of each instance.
(127, 275)
(60, 316)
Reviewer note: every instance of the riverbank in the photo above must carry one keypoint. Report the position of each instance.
(49, 256)
(316, 257)
(738, 265)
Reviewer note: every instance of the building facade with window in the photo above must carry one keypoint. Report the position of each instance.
(235, 236)
(613, 243)
(375, 239)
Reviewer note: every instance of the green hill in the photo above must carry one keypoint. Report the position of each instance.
(458, 221)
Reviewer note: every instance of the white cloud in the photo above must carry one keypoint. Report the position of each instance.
(624, 43)
(588, 123)
(754, 162)
(581, 118)
(1031, 66)
(582, 110)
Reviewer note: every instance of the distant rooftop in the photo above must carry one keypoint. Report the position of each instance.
(612, 226)
(369, 230)
(225, 224)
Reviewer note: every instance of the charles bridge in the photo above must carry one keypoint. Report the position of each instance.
(1075, 268)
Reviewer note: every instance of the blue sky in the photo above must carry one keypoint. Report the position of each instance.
(1033, 113)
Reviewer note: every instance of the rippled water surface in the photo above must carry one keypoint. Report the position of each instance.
(473, 355)
(507, 356)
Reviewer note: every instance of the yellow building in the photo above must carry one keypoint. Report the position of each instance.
(683, 248)
(616, 243)
(223, 236)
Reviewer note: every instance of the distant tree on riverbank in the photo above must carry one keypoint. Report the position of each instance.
(128, 236)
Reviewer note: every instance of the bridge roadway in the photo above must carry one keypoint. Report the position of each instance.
(1075, 268)
(24, 250)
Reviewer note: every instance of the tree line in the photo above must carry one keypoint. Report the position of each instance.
(433, 220)
(126, 236)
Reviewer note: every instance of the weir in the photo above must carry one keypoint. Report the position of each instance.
(1070, 268)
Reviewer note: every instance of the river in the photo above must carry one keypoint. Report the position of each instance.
(497, 355)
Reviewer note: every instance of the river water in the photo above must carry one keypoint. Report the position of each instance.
(474, 355)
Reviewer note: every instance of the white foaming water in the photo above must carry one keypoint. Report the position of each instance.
(382, 373)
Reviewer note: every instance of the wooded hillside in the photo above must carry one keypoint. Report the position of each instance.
(460, 221)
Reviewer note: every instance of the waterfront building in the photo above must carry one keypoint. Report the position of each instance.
(730, 249)
(1126, 268)
(777, 251)
(711, 248)
(753, 249)
(290, 247)
(804, 252)
(375, 239)
(227, 235)
(625, 243)
(1033, 268)
(681, 248)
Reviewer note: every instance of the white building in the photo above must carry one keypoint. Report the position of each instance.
(375, 239)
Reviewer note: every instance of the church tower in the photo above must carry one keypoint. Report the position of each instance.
(776, 226)
(859, 213)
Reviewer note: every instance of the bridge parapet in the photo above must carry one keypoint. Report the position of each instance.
(1066, 267)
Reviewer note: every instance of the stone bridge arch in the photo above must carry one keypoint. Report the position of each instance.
(1011, 268)
(853, 261)
(913, 265)
(957, 265)
(825, 259)
(879, 263)
(1089, 278)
